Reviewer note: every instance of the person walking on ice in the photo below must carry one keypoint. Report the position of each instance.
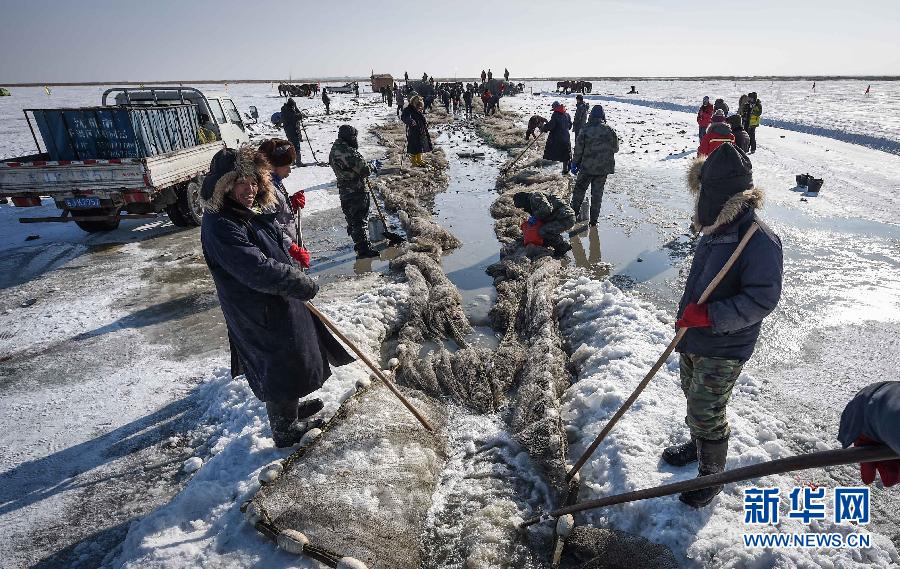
(351, 171)
(593, 160)
(722, 332)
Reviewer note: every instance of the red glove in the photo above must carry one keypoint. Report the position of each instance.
(298, 201)
(695, 316)
(300, 255)
(531, 233)
(888, 469)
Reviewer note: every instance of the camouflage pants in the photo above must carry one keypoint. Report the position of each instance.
(597, 183)
(355, 205)
(707, 384)
(550, 231)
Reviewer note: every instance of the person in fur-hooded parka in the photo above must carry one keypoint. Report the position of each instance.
(284, 350)
(722, 332)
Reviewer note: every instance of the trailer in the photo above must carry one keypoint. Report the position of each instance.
(133, 157)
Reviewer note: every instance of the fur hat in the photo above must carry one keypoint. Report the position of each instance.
(278, 151)
(723, 187)
(416, 101)
(248, 164)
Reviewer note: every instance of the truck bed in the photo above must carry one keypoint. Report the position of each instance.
(38, 176)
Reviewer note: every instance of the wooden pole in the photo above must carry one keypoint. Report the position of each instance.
(375, 369)
(779, 466)
(513, 163)
(665, 355)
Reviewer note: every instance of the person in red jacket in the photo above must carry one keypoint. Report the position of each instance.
(704, 115)
(718, 133)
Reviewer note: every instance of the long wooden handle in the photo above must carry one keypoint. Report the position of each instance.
(377, 206)
(780, 466)
(513, 163)
(665, 355)
(375, 369)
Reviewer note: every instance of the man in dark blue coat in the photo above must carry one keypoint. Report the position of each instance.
(290, 117)
(722, 332)
(559, 143)
(284, 350)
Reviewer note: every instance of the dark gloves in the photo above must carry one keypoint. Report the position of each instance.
(300, 255)
(695, 316)
(298, 201)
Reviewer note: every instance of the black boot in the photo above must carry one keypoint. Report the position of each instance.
(712, 455)
(559, 251)
(681, 455)
(365, 251)
(286, 429)
(309, 408)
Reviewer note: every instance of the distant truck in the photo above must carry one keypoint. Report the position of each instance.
(346, 88)
(143, 152)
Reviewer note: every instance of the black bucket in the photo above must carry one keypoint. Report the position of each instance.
(815, 184)
(802, 180)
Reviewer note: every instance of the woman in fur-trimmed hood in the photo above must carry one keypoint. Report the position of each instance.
(722, 333)
(283, 349)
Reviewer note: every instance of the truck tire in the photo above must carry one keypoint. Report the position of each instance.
(187, 211)
(95, 226)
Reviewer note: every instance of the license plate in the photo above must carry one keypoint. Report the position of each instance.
(82, 203)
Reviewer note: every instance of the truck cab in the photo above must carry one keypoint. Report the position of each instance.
(216, 111)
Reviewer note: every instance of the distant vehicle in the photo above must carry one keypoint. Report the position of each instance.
(143, 153)
(345, 88)
(4, 92)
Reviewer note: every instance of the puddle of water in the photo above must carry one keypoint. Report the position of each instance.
(464, 209)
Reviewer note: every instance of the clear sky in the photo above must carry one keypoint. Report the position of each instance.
(100, 40)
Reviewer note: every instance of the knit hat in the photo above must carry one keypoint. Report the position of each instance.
(718, 116)
(348, 134)
(735, 122)
(278, 152)
(726, 172)
(705, 100)
(554, 104)
(579, 97)
(597, 114)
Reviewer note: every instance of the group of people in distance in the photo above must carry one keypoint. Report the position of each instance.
(717, 126)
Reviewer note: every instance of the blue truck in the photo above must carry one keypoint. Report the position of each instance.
(141, 152)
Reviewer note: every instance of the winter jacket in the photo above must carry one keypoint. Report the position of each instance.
(704, 115)
(559, 144)
(350, 168)
(755, 112)
(716, 135)
(290, 116)
(747, 294)
(720, 104)
(595, 149)
(284, 349)
(284, 215)
(874, 412)
(417, 138)
(741, 138)
(547, 207)
(581, 110)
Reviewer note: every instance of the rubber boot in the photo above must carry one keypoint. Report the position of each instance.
(712, 455)
(286, 429)
(364, 250)
(681, 455)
